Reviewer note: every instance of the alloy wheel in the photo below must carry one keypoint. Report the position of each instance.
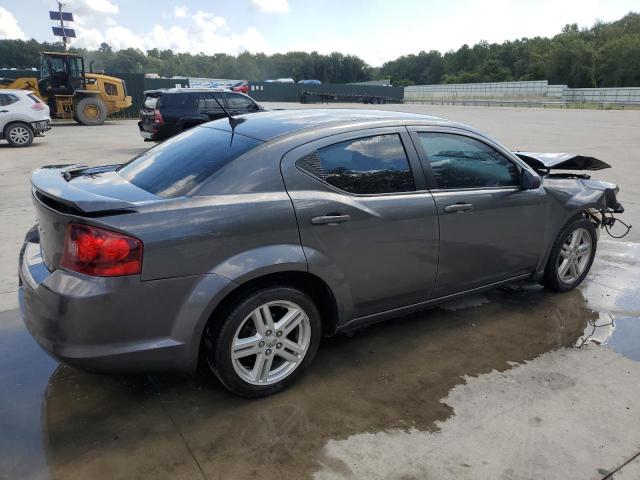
(19, 135)
(271, 342)
(574, 255)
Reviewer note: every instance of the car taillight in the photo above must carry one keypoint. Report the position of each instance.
(101, 253)
(157, 117)
(38, 106)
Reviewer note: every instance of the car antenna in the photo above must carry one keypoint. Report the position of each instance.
(233, 121)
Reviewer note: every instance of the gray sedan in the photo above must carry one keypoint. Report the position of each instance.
(240, 243)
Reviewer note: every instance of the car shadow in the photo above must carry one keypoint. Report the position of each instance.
(35, 144)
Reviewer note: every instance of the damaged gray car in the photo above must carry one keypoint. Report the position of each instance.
(240, 243)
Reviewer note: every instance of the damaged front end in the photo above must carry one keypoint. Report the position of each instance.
(578, 191)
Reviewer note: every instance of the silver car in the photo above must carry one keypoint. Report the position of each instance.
(241, 242)
(22, 116)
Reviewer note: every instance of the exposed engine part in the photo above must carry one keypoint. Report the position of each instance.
(605, 219)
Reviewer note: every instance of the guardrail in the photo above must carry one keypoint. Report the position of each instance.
(528, 104)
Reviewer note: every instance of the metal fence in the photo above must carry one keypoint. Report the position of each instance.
(137, 84)
(602, 95)
(10, 73)
(292, 92)
(530, 89)
(538, 90)
(525, 103)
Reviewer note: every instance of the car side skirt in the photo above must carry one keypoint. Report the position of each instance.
(382, 316)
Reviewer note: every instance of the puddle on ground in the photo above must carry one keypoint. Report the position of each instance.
(63, 423)
(613, 290)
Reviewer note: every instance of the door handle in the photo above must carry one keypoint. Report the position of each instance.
(458, 207)
(4, 111)
(328, 219)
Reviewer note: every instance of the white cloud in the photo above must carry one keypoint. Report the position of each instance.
(90, 38)
(203, 32)
(9, 27)
(91, 7)
(271, 6)
(208, 21)
(180, 11)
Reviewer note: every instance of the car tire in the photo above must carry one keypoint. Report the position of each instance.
(19, 135)
(281, 355)
(571, 256)
(91, 111)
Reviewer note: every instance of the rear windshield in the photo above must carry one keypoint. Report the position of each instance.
(150, 102)
(177, 166)
(179, 100)
(34, 98)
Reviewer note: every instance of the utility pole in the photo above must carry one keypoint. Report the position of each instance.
(65, 40)
(63, 30)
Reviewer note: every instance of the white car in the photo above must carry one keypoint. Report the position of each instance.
(22, 116)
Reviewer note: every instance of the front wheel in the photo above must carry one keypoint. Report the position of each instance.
(571, 256)
(268, 338)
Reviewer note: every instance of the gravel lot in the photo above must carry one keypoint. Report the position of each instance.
(493, 386)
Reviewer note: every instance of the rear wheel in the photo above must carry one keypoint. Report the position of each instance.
(90, 111)
(571, 256)
(19, 135)
(268, 338)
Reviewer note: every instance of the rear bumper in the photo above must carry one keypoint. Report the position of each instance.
(118, 324)
(41, 126)
(162, 132)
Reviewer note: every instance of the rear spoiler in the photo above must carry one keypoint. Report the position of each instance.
(53, 182)
(561, 161)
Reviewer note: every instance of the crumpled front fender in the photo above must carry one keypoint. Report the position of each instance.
(576, 194)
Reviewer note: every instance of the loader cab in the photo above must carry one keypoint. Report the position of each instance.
(61, 73)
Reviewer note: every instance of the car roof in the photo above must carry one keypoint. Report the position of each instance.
(275, 123)
(187, 90)
(15, 90)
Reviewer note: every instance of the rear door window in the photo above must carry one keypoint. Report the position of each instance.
(177, 166)
(8, 99)
(180, 101)
(463, 162)
(240, 102)
(370, 165)
(207, 102)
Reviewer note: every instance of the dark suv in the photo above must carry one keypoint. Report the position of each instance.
(167, 112)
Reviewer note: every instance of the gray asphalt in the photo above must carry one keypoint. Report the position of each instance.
(514, 384)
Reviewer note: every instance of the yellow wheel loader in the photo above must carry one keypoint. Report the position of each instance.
(70, 92)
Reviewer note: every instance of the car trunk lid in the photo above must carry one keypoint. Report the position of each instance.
(72, 193)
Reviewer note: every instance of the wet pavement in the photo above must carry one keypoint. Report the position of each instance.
(387, 381)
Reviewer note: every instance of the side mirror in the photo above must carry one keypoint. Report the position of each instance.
(529, 180)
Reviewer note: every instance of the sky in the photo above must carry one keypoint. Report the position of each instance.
(375, 30)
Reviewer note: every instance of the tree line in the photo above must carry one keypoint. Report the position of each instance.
(604, 55)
